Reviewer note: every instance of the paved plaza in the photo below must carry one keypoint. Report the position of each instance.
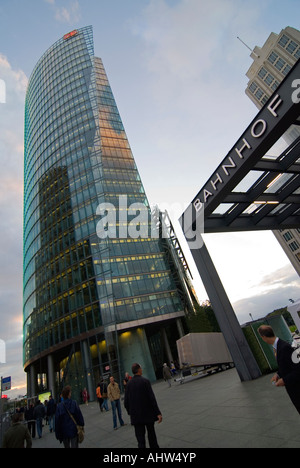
(218, 411)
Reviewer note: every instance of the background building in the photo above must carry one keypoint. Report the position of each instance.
(271, 63)
(91, 306)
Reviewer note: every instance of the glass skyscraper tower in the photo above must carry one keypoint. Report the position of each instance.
(92, 306)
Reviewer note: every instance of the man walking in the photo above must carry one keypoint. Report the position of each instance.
(51, 409)
(288, 375)
(17, 435)
(39, 413)
(167, 374)
(141, 405)
(114, 395)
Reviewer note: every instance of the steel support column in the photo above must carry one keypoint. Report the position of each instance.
(242, 356)
(50, 375)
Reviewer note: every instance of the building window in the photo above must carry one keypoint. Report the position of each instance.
(280, 64)
(258, 92)
(275, 85)
(287, 69)
(283, 41)
(269, 79)
(290, 46)
(253, 87)
(288, 236)
(273, 57)
(262, 73)
(294, 246)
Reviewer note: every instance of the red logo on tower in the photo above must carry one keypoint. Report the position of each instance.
(70, 34)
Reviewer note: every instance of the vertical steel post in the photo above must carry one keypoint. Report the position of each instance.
(242, 356)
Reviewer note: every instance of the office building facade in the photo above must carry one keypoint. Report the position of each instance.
(96, 299)
(271, 63)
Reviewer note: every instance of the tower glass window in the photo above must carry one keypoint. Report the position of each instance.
(81, 291)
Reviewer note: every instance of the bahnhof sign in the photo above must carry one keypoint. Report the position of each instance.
(270, 202)
(260, 206)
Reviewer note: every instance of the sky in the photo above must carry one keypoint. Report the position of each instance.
(177, 72)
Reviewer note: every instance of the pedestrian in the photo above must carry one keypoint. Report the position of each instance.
(103, 389)
(29, 417)
(99, 397)
(167, 374)
(17, 434)
(39, 414)
(85, 396)
(288, 374)
(65, 428)
(141, 405)
(51, 409)
(46, 413)
(114, 395)
(173, 369)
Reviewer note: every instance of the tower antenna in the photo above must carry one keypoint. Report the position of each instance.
(252, 51)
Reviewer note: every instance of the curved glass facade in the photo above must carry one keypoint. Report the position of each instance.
(80, 291)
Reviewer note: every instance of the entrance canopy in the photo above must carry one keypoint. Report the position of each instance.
(251, 190)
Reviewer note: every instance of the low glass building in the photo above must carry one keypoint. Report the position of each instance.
(100, 291)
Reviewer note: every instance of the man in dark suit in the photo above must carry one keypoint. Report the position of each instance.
(288, 375)
(141, 405)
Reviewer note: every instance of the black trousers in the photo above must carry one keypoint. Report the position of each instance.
(140, 433)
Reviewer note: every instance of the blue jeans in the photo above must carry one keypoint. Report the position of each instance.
(105, 404)
(116, 406)
(39, 426)
(51, 420)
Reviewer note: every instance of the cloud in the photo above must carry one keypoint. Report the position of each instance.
(188, 43)
(67, 13)
(281, 278)
(271, 293)
(194, 69)
(11, 228)
(16, 80)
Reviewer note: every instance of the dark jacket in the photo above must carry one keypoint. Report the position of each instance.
(16, 436)
(29, 413)
(289, 371)
(140, 401)
(167, 374)
(64, 426)
(39, 411)
(51, 407)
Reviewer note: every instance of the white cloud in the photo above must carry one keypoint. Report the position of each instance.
(194, 80)
(271, 293)
(16, 80)
(11, 202)
(190, 43)
(66, 13)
